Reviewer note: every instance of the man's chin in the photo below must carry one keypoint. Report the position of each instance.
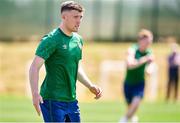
(75, 30)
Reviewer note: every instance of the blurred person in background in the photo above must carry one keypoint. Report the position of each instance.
(173, 72)
(138, 56)
(60, 51)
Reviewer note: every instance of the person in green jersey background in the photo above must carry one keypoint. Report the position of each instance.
(60, 51)
(138, 56)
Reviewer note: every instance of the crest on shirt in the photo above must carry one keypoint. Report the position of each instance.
(64, 46)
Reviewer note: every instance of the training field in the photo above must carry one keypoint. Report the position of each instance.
(15, 106)
(16, 109)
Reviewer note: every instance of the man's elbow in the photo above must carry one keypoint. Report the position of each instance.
(33, 68)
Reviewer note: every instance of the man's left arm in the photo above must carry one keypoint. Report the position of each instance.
(82, 77)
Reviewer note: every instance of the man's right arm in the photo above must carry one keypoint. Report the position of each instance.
(33, 78)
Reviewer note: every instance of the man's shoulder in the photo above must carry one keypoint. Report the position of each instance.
(133, 47)
(76, 35)
(54, 34)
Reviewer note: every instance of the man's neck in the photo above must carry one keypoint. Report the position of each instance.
(142, 50)
(65, 30)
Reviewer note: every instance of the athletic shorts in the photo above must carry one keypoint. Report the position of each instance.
(55, 111)
(131, 91)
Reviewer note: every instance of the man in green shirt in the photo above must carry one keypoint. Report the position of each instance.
(139, 55)
(60, 51)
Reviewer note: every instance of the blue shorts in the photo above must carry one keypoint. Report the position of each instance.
(132, 91)
(56, 111)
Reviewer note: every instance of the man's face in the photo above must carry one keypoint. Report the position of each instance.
(144, 43)
(72, 20)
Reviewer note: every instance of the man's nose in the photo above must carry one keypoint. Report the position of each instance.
(78, 21)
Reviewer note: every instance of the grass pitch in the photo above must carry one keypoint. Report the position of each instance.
(20, 109)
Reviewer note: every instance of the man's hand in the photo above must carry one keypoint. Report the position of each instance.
(96, 90)
(150, 59)
(37, 99)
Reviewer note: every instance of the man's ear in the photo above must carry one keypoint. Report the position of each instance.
(63, 15)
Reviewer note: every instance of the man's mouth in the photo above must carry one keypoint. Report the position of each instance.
(77, 26)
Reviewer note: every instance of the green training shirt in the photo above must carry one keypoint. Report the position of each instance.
(137, 75)
(61, 54)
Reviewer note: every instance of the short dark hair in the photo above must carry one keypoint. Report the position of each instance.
(71, 5)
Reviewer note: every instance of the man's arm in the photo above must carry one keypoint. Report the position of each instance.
(134, 63)
(82, 77)
(33, 78)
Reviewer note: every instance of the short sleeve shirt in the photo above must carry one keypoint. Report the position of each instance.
(137, 75)
(61, 54)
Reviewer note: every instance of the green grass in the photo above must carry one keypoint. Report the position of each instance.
(16, 109)
(20, 109)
